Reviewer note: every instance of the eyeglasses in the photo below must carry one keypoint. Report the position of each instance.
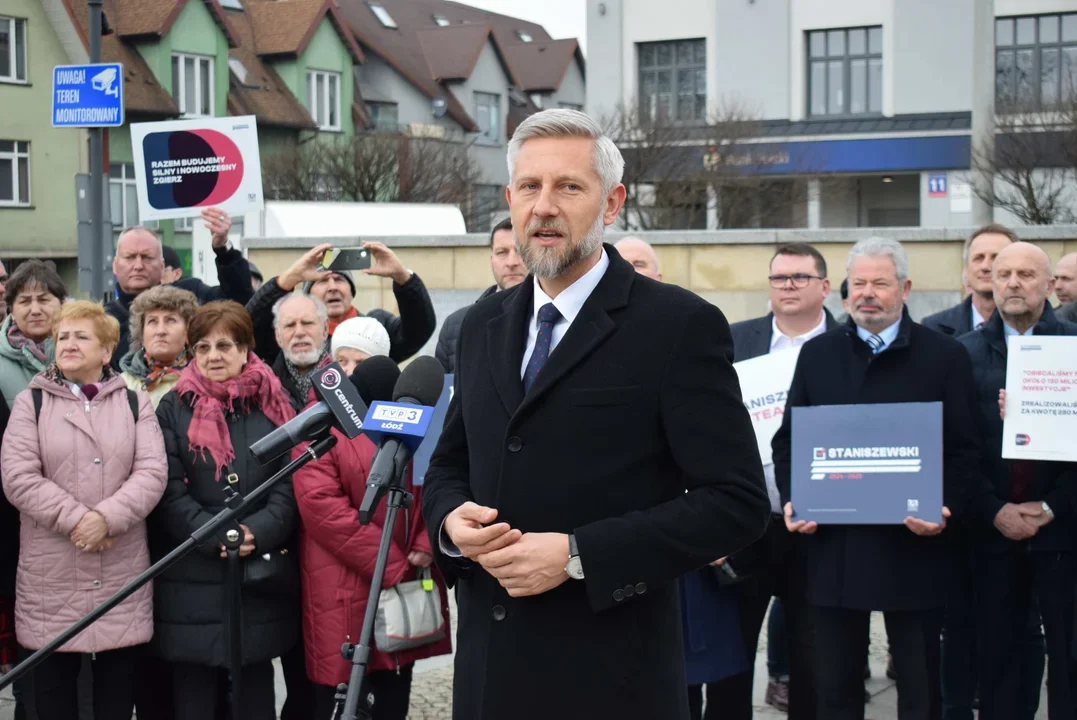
(799, 280)
(223, 347)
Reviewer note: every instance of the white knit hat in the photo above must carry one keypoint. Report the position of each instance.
(364, 334)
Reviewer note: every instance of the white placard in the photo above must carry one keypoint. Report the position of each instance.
(1041, 398)
(764, 385)
(182, 166)
(960, 196)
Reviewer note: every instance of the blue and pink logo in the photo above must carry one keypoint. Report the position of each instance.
(190, 168)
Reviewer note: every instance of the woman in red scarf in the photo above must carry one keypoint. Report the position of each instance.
(225, 400)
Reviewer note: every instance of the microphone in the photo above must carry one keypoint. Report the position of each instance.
(399, 427)
(342, 405)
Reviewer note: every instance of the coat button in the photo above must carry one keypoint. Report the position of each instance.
(69, 415)
(515, 444)
(96, 583)
(629, 591)
(97, 461)
(498, 613)
(641, 588)
(618, 595)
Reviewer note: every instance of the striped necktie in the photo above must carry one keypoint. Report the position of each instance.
(875, 343)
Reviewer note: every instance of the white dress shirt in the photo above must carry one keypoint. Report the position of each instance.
(1008, 331)
(977, 318)
(569, 302)
(780, 341)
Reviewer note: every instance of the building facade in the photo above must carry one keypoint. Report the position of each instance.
(861, 109)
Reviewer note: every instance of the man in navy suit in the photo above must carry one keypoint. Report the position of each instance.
(798, 286)
(975, 310)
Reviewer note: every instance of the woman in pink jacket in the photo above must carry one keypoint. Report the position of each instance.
(83, 471)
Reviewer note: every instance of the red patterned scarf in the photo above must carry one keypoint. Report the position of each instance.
(256, 388)
(157, 371)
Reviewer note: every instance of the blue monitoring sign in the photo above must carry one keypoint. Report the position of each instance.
(87, 95)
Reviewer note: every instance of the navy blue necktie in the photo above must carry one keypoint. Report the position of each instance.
(875, 343)
(548, 315)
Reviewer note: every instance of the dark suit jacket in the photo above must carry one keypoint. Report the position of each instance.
(873, 567)
(751, 338)
(1054, 482)
(638, 403)
(955, 321)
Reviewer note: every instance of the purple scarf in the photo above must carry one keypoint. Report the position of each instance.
(18, 341)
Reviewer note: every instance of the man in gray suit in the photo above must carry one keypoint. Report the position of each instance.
(798, 287)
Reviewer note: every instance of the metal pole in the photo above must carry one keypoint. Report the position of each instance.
(983, 106)
(97, 224)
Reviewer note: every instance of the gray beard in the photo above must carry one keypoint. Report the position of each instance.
(303, 359)
(548, 263)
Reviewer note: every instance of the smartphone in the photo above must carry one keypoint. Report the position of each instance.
(346, 259)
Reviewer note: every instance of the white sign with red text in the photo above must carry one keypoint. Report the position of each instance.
(1041, 398)
(764, 385)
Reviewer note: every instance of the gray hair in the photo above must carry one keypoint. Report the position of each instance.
(319, 307)
(142, 228)
(563, 123)
(881, 247)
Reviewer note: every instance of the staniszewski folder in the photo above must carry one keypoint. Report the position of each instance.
(867, 464)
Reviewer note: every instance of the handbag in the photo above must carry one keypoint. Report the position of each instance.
(275, 571)
(409, 613)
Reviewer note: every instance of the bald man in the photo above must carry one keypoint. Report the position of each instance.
(1023, 511)
(1066, 279)
(641, 255)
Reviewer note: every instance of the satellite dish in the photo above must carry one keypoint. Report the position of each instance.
(440, 107)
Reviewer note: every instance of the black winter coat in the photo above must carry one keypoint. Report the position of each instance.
(636, 405)
(234, 273)
(885, 567)
(1053, 482)
(445, 352)
(190, 600)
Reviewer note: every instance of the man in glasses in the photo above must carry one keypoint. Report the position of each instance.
(798, 287)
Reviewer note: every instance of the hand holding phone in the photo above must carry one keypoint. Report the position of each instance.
(336, 259)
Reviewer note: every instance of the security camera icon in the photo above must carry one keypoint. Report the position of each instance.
(106, 81)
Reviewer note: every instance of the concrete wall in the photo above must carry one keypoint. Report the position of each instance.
(931, 56)
(47, 227)
(943, 211)
(488, 77)
(752, 59)
(728, 268)
(605, 57)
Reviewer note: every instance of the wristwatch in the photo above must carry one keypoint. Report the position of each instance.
(1047, 510)
(574, 569)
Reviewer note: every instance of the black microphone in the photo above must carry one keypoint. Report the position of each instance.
(373, 379)
(399, 427)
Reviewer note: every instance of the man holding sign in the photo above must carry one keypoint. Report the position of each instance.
(879, 357)
(1025, 520)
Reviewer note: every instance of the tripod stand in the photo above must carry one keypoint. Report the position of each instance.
(224, 522)
(379, 482)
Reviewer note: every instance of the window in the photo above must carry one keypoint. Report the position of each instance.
(238, 69)
(845, 71)
(192, 84)
(524, 37)
(382, 14)
(570, 106)
(384, 116)
(673, 81)
(14, 172)
(441, 20)
(323, 98)
(488, 115)
(12, 50)
(1035, 61)
(123, 198)
(231, 4)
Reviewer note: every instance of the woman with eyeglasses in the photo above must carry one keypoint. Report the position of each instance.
(224, 401)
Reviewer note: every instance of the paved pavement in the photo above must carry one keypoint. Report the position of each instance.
(431, 694)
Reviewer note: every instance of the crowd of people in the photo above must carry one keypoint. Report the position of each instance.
(632, 583)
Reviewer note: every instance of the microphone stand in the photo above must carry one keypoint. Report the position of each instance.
(321, 444)
(380, 481)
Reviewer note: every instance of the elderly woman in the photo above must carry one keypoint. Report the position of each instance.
(84, 463)
(337, 555)
(159, 319)
(34, 293)
(357, 339)
(224, 401)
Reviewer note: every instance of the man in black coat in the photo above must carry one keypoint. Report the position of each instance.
(408, 332)
(1024, 523)
(589, 400)
(798, 286)
(508, 270)
(980, 251)
(881, 356)
(139, 263)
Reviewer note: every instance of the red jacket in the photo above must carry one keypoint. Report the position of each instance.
(337, 557)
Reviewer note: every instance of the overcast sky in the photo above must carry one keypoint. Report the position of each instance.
(561, 18)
